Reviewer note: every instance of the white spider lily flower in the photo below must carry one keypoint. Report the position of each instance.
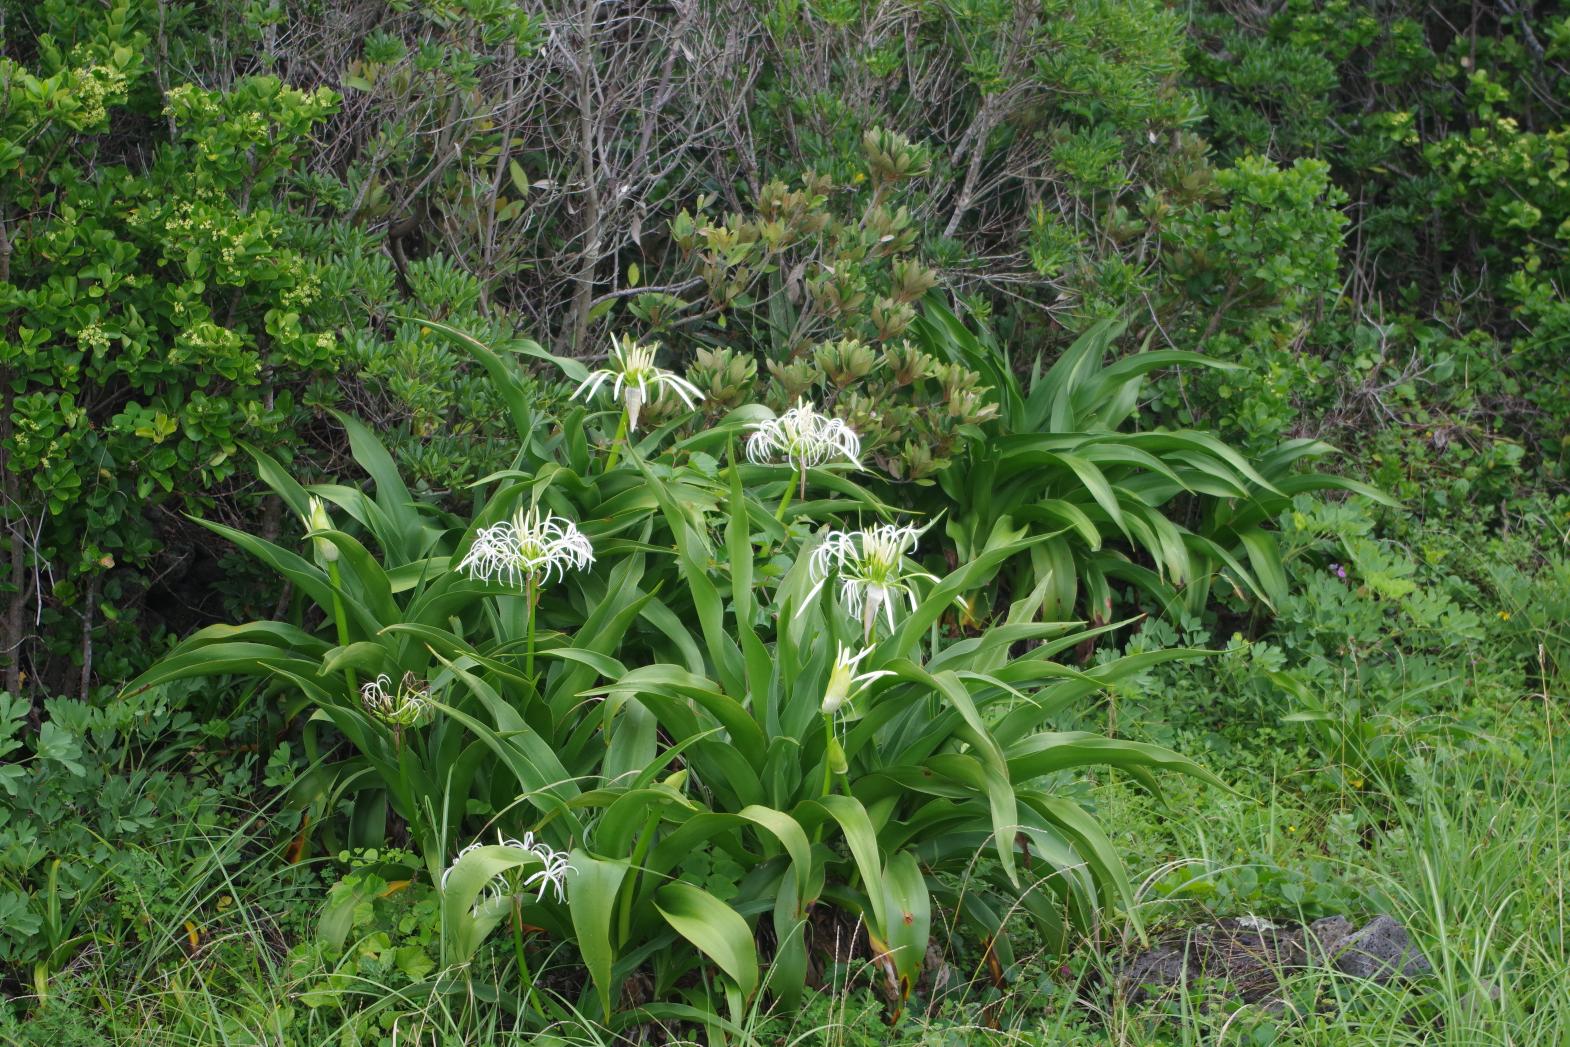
(803, 438)
(553, 871)
(404, 707)
(317, 519)
(552, 875)
(632, 374)
(502, 887)
(872, 568)
(530, 546)
(844, 683)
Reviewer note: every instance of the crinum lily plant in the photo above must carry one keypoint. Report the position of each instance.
(705, 749)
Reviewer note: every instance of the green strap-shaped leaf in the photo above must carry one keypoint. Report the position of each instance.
(366, 573)
(222, 659)
(463, 929)
(369, 515)
(690, 546)
(791, 836)
(278, 478)
(592, 887)
(941, 596)
(1050, 751)
(738, 543)
(1097, 849)
(995, 782)
(1264, 555)
(788, 973)
(863, 843)
(715, 928)
(311, 579)
(677, 682)
(391, 493)
(909, 909)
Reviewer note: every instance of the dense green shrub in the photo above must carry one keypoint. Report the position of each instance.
(157, 311)
(1438, 125)
(171, 285)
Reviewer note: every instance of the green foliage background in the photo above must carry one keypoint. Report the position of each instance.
(210, 234)
(226, 226)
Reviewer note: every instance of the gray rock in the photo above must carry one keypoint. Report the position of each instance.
(938, 976)
(1325, 938)
(1249, 958)
(1165, 965)
(1381, 950)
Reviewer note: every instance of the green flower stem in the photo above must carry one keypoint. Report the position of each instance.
(790, 489)
(828, 762)
(523, 964)
(342, 621)
(533, 599)
(617, 441)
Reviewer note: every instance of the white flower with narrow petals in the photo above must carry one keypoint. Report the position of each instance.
(529, 547)
(632, 375)
(803, 438)
(872, 569)
(844, 682)
(489, 895)
(552, 874)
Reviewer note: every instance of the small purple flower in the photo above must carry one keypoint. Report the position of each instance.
(1339, 571)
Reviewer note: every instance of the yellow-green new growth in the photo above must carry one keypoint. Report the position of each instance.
(317, 519)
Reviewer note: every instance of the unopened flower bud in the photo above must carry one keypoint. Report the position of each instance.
(316, 519)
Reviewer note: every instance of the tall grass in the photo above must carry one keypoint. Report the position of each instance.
(1468, 851)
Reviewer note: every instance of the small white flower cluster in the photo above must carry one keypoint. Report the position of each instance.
(93, 337)
(404, 707)
(530, 546)
(803, 438)
(872, 569)
(551, 876)
(632, 374)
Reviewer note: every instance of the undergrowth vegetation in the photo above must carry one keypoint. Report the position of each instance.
(764, 522)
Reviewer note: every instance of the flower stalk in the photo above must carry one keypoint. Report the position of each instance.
(317, 519)
(844, 684)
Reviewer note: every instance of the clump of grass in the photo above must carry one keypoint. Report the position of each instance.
(1466, 849)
